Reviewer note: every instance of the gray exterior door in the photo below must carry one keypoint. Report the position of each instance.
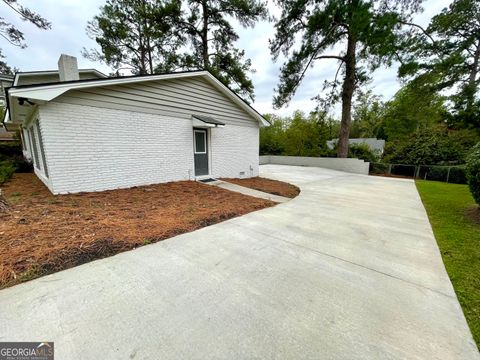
(200, 151)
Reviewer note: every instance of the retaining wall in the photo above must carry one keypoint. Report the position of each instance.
(350, 165)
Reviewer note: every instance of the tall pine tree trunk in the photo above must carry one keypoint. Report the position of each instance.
(347, 95)
(148, 41)
(204, 32)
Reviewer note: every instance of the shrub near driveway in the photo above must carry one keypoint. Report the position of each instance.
(473, 172)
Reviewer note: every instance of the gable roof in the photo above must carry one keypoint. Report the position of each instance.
(48, 91)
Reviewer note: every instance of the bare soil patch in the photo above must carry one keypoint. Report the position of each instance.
(274, 187)
(41, 233)
(473, 214)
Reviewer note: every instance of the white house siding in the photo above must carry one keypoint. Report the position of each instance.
(178, 98)
(94, 149)
(234, 151)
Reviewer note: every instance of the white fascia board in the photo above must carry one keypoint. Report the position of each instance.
(39, 95)
(51, 91)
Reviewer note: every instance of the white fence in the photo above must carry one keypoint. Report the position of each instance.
(350, 165)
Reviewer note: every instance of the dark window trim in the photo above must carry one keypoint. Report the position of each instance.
(42, 150)
(204, 132)
(34, 148)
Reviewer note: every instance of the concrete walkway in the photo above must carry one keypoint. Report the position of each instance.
(248, 191)
(347, 270)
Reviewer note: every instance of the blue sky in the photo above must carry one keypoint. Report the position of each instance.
(69, 18)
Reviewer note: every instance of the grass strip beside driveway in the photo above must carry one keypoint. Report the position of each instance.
(455, 220)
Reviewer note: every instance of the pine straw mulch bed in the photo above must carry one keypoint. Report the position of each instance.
(274, 187)
(42, 233)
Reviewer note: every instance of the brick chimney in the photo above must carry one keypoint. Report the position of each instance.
(68, 68)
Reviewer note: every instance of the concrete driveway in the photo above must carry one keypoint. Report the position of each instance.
(347, 270)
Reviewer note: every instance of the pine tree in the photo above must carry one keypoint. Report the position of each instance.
(211, 38)
(138, 35)
(450, 57)
(371, 34)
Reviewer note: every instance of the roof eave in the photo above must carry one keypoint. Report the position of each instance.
(48, 92)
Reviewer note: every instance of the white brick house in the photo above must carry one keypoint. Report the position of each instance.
(99, 134)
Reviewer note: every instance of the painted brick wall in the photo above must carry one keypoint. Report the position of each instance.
(234, 149)
(93, 149)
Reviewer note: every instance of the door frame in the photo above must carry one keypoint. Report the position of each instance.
(207, 150)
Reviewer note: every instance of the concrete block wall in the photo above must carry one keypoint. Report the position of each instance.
(350, 165)
(93, 149)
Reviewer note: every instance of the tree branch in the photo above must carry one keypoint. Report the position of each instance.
(19, 44)
(419, 27)
(330, 57)
(338, 70)
(26, 17)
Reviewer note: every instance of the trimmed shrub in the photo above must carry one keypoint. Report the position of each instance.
(12, 153)
(458, 175)
(7, 168)
(473, 172)
(362, 152)
(432, 146)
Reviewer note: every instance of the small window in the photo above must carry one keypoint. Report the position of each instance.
(42, 150)
(34, 148)
(24, 140)
(200, 142)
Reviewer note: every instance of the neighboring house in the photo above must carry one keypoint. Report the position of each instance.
(5, 82)
(376, 145)
(99, 134)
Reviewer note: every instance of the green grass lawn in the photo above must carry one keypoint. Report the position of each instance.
(449, 208)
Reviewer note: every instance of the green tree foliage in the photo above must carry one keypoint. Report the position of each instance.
(415, 107)
(368, 31)
(13, 35)
(367, 117)
(298, 135)
(305, 136)
(430, 146)
(136, 34)
(362, 152)
(452, 56)
(473, 172)
(4, 67)
(211, 37)
(272, 137)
